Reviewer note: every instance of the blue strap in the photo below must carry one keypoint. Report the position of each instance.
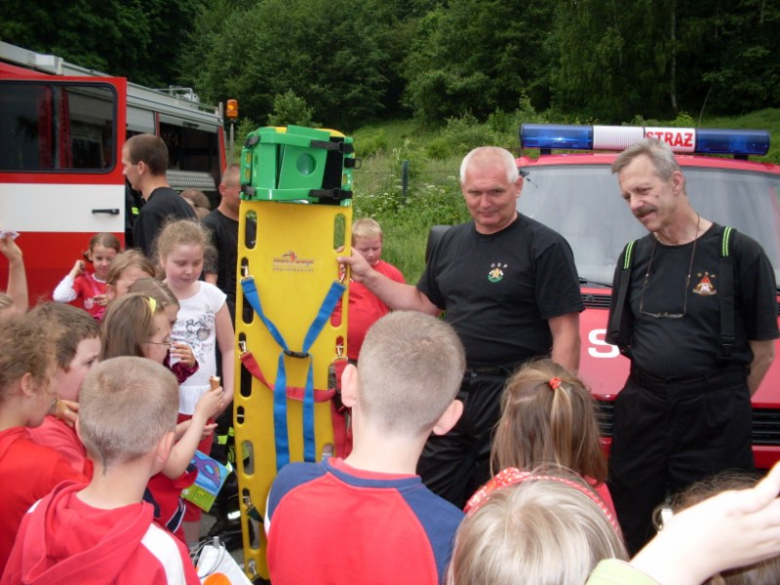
(333, 296)
(282, 443)
(280, 385)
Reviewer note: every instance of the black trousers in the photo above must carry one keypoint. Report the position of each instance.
(455, 465)
(669, 434)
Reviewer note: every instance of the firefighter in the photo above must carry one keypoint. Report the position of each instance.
(698, 320)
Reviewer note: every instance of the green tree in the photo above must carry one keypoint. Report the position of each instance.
(291, 109)
(133, 39)
(479, 57)
(326, 51)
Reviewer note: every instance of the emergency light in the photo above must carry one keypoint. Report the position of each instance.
(682, 140)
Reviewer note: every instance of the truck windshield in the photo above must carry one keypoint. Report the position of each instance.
(583, 203)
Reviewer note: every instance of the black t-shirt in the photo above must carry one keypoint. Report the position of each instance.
(225, 238)
(689, 345)
(500, 289)
(163, 203)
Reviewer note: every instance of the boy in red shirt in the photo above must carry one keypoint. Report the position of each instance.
(365, 308)
(76, 338)
(369, 518)
(104, 532)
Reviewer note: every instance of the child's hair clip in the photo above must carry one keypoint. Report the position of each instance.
(554, 383)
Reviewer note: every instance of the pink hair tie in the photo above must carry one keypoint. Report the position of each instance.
(555, 383)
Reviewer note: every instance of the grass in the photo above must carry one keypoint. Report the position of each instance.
(434, 154)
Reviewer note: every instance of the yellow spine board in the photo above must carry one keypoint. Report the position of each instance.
(294, 265)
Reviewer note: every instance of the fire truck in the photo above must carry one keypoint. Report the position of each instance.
(62, 128)
(576, 194)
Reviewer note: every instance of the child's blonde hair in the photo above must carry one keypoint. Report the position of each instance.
(26, 347)
(536, 532)
(126, 405)
(128, 324)
(548, 417)
(411, 367)
(125, 260)
(156, 289)
(181, 232)
(68, 326)
(366, 228)
(105, 239)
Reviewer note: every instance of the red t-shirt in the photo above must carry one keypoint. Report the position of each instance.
(29, 472)
(57, 435)
(365, 308)
(87, 287)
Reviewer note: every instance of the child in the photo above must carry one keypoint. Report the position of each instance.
(761, 573)
(28, 471)
(103, 532)
(125, 269)
(90, 288)
(535, 528)
(136, 325)
(76, 338)
(732, 529)
(15, 300)
(548, 417)
(203, 321)
(364, 306)
(199, 201)
(369, 518)
(185, 364)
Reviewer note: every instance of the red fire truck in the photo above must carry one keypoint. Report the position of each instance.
(576, 195)
(62, 128)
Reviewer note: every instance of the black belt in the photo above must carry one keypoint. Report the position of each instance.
(505, 370)
(734, 373)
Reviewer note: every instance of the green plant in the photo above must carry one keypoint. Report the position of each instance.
(291, 109)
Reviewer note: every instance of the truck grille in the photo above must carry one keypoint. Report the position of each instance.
(766, 426)
(592, 301)
(766, 423)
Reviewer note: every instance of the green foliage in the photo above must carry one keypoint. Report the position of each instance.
(291, 109)
(138, 40)
(477, 57)
(245, 126)
(325, 51)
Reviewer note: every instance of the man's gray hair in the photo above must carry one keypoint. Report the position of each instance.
(659, 153)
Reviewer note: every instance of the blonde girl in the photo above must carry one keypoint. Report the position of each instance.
(203, 322)
(137, 325)
(548, 417)
(180, 360)
(90, 288)
(535, 528)
(125, 269)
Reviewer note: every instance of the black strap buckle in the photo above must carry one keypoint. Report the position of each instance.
(302, 355)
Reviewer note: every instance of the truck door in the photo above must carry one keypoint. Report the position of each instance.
(60, 167)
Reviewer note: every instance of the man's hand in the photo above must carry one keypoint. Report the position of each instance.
(359, 267)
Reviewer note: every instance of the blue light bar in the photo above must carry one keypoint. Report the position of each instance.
(615, 138)
(744, 142)
(556, 136)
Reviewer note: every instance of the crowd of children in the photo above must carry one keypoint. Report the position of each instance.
(102, 408)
